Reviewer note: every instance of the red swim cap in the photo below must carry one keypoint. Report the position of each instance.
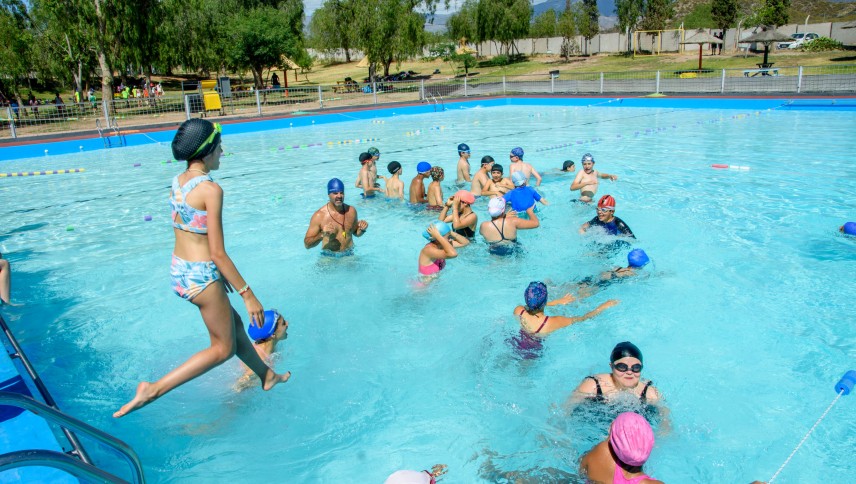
(606, 201)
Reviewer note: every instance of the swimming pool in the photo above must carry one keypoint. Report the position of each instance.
(744, 321)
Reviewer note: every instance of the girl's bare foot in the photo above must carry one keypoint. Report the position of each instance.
(274, 378)
(145, 395)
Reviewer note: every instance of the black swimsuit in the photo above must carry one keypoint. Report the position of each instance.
(643, 398)
(503, 239)
(467, 232)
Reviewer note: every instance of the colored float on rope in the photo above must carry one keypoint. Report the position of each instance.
(378, 121)
(720, 166)
(296, 147)
(352, 141)
(47, 172)
(147, 218)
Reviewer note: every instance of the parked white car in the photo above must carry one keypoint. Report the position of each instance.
(800, 39)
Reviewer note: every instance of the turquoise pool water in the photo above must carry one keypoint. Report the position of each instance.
(745, 320)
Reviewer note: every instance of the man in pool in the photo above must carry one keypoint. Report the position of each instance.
(367, 176)
(417, 185)
(606, 219)
(586, 181)
(463, 164)
(497, 185)
(335, 224)
(481, 179)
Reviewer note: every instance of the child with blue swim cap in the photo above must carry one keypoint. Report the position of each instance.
(463, 164)
(442, 241)
(848, 229)
(417, 185)
(265, 338)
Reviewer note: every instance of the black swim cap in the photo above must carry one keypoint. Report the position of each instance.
(365, 157)
(625, 349)
(190, 137)
(496, 167)
(393, 167)
(567, 164)
(487, 159)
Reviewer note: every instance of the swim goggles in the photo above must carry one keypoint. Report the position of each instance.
(210, 139)
(622, 367)
(605, 209)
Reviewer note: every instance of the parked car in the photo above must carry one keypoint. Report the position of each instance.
(800, 39)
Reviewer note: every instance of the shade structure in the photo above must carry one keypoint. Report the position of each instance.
(767, 35)
(701, 37)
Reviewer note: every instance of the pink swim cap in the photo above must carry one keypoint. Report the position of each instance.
(631, 438)
(466, 196)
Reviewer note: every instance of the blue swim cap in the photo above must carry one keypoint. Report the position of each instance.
(423, 167)
(463, 148)
(257, 334)
(849, 228)
(335, 185)
(535, 295)
(518, 152)
(518, 178)
(443, 227)
(637, 258)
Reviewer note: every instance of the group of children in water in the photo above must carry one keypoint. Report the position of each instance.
(203, 274)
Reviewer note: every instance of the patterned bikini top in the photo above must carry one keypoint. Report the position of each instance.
(192, 219)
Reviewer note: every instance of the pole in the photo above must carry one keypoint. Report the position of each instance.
(465, 86)
(374, 90)
(658, 83)
(601, 82)
(186, 107)
(320, 98)
(12, 122)
(106, 108)
(799, 80)
(722, 84)
(258, 102)
(422, 89)
(503, 85)
(699, 57)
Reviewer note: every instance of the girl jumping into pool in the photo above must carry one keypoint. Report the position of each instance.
(199, 258)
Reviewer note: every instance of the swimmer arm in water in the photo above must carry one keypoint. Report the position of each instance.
(607, 176)
(537, 176)
(558, 322)
(458, 240)
(522, 223)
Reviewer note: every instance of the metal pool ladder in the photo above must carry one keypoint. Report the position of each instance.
(438, 103)
(114, 131)
(76, 461)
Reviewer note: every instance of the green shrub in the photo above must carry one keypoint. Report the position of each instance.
(822, 44)
(499, 60)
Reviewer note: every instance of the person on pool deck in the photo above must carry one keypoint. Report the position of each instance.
(462, 218)
(481, 179)
(606, 219)
(366, 178)
(335, 224)
(500, 232)
(587, 181)
(534, 324)
(417, 185)
(394, 185)
(5, 281)
(619, 458)
(442, 242)
(435, 191)
(463, 164)
(201, 267)
(848, 228)
(517, 164)
(497, 185)
(625, 361)
(264, 340)
(523, 197)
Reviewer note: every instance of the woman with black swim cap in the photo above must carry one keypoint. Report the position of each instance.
(201, 267)
(624, 379)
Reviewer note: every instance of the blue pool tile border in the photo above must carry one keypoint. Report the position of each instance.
(13, 150)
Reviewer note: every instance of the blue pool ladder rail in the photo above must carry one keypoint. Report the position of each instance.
(17, 397)
(114, 131)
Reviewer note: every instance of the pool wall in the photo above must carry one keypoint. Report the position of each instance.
(88, 142)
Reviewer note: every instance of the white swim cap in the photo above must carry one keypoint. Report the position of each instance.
(496, 206)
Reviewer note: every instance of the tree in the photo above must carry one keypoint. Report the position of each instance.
(774, 12)
(15, 50)
(628, 12)
(657, 14)
(567, 27)
(191, 35)
(258, 38)
(587, 21)
(390, 31)
(724, 13)
(543, 26)
(504, 21)
(331, 27)
(463, 24)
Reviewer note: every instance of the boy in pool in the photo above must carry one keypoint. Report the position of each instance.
(264, 339)
(394, 185)
(5, 281)
(366, 177)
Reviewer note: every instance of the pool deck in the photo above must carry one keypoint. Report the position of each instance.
(65, 143)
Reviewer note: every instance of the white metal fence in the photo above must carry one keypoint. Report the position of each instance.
(124, 114)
